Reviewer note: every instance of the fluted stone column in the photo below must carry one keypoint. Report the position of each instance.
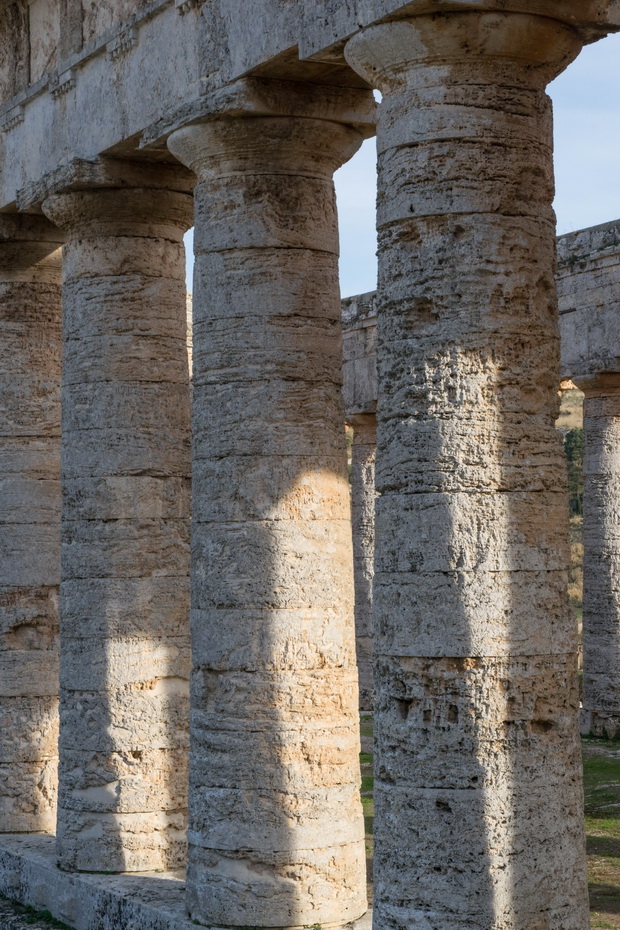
(30, 352)
(125, 553)
(478, 794)
(276, 830)
(601, 554)
(363, 496)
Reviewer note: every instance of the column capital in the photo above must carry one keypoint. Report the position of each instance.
(598, 383)
(106, 174)
(26, 241)
(255, 97)
(255, 144)
(364, 426)
(387, 55)
(265, 181)
(153, 212)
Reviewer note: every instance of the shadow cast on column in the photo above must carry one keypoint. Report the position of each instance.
(478, 801)
(276, 829)
(275, 823)
(479, 822)
(126, 496)
(30, 352)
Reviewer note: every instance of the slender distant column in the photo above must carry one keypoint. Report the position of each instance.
(276, 828)
(30, 352)
(363, 496)
(125, 555)
(601, 554)
(478, 795)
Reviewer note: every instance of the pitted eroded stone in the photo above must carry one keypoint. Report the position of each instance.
(30, 352)
(125, 534)
(276, 828)
(478, 793)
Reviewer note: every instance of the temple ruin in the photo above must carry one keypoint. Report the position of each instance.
(178, 672)
(587, 280)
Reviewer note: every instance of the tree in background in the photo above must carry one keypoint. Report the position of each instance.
(573, 449)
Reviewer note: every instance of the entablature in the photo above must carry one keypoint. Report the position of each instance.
(109, 83)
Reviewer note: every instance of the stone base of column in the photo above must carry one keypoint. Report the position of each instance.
(30, 876)
(594, 723)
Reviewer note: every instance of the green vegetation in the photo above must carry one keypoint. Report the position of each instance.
(602, 805)
(30, 915)
(46, 918)
(573, 449)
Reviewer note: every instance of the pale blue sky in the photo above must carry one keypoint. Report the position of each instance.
(587, 163)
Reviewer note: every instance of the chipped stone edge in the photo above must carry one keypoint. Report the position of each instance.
(184, 6)
(12, 119)
(61, 83)
(144, 901)
(122, 43)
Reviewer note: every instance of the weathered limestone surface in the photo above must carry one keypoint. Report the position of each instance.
(359, 355)
(125, 546)
(359, 389)
(98, 16)
(474, 638)
(30, 352)
(276, 827)
(478, 792)
(29, 875)
(588, 279)
(363, 495)
(14, 68)
(44, 32)
(109, 74)
(601, 556)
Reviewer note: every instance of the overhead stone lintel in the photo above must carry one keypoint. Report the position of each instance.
(594, 19)
(588, 280)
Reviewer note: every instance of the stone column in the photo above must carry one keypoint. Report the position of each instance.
(478, 795)
(30, 351)
(601, 554)
(276, 829)
(125, 556)
(363, 496)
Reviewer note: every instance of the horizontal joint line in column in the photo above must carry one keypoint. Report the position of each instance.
(457, 140)
(518, 656)
(345, 521)
(268, 174)
(266, 248)
(276, 379)
(105, 578)
(381, 574)
(81, 279)
(448, 213)
(399, 490)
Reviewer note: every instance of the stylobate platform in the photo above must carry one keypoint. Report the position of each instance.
(139, 901)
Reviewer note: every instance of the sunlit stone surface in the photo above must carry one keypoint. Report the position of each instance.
(30, 352)
(478, 799)
(479, 819)
(125, 533)
(276, 829)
